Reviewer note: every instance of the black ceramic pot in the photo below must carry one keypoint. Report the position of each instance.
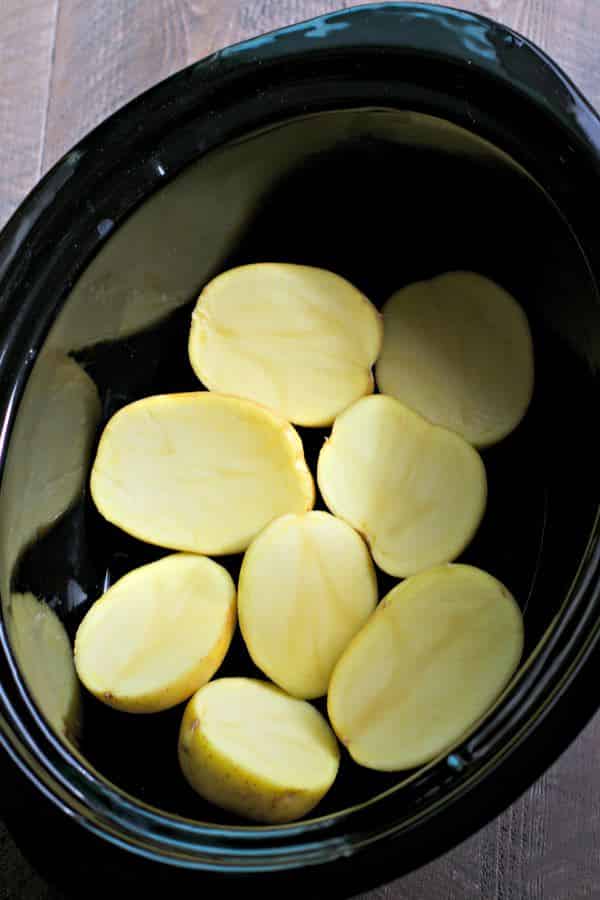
(387, 143)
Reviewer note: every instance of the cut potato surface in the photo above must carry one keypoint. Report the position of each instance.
(428, 664)
(458, 350)
(158, 634)
(300, 340)
(199, 472)
(307, 585)
(250, 749)
(417, 492)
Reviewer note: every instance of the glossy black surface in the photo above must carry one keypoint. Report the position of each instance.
(382, 212)
(410, 214)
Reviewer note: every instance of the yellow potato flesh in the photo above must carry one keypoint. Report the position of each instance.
(417, 492)
(199, 472)
(300, 340)
(246, 746)
(458, 350)
(429, 663)
(158, 634)
(307, 585)
(43, 651)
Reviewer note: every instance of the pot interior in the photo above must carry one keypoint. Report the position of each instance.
(382, 197)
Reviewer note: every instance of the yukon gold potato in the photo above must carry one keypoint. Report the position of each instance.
(307, 585)
(250, 749)
(416, 492)
(300, 340)
(199, 472)
(428, 664)
(158, 634)
(458, 350)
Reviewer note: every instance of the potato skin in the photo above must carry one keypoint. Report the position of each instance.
(214, 778)
(218, 779)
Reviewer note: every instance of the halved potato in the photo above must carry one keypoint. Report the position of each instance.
(458, 350)
(307, 585)
(300, 340)
(158, 634)
(199, 472)
(428, 664)
(416, 492)
(249, 748)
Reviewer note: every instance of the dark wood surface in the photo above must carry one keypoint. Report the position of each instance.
(64, 66)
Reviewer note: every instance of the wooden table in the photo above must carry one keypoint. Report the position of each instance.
(64, 66)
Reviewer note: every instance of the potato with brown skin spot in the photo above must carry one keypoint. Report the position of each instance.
(249, 748)
(158, 634)
(299, 339)
(432, 660)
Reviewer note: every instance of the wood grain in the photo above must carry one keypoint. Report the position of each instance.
(27, 29)
(547, 846)
(107, 53)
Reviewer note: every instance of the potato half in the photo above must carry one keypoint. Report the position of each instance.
(157, 634)
(428, 664)
(416, 492)
(307, 585)
(249, 748)
(458, 350)
(199, 472)
(300, 340)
